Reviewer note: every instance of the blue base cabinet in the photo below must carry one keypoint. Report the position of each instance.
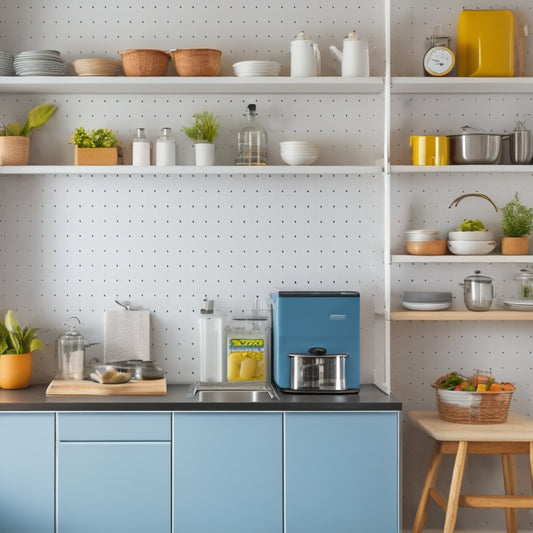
(27, 472)
(228, 472)
(114, 473)
(342, 472)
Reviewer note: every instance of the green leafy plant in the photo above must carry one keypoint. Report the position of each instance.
(99, 138)
(472, 224)
(204, 129)
(36, 118)
(15, 340)
(517, 219)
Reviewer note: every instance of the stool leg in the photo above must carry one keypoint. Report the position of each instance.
(455, 487)
(431, 479)
(509, 480)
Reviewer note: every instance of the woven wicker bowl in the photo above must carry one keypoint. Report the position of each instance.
(144, 62)
(465, 407)
(197, 61)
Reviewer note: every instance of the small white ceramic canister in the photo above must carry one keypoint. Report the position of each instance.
(305, 56)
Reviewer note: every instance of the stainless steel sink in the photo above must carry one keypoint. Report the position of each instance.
(233, 396)
(222, 394)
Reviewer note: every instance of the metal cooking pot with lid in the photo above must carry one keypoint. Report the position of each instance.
(475, 147)
(478, 292)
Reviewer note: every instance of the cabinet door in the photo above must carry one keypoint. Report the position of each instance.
(27, 472)
(114, 486)
(228, 472)
(341, 472)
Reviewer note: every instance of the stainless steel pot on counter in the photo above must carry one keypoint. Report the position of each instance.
(318, 371)
(474, 147)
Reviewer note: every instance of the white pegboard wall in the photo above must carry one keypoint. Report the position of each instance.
(71, 245)
(242, 30)
(347, 128)
(412, 22)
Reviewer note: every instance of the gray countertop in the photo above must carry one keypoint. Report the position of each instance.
(34, 398)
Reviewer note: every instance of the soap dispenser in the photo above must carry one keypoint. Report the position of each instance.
(71, 352)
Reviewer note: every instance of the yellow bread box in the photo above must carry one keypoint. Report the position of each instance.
(485, 43)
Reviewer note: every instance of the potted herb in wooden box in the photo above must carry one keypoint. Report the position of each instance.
(517, 223)
(94, 147)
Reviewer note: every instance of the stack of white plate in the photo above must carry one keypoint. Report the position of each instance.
(519, 304)
(94, 66)
(6, 64)
(419, 235)
(256, 68)
(40, 63)
(298, 152)
(426, 301)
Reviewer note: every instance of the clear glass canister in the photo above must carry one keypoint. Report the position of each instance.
(524, 283)
(252, 141)
(71, 352)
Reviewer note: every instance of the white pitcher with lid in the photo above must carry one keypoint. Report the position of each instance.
(354, 58)
(305, 56)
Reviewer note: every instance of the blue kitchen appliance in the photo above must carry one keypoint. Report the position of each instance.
(314, 321)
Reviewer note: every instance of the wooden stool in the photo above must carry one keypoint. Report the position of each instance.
(512, 437)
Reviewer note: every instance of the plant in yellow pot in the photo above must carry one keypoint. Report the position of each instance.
(517, 223)
(14, 138)
(16, 348)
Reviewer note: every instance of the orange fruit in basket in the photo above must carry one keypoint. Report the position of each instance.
(495, 387)
(508, 386)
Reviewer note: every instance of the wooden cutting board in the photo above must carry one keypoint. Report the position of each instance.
(147, 387)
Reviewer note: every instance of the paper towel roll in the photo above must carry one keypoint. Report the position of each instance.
(127, 335)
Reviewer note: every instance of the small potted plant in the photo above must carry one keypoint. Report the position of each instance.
(517, 223)
(94, 147)
(14, 138)
(16, 348)
(203, 133)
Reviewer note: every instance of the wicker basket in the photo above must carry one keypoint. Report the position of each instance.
(144, 62)
(14, 150)
(465, 407)
(197, 61)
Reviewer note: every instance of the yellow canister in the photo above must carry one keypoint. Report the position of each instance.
(485, 42)
(430, 149)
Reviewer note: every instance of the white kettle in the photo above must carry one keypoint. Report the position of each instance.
(305, 57)
(354, 56)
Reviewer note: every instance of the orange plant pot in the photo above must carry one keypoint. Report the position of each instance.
(15, 371)
(515, 245)
(95, 156)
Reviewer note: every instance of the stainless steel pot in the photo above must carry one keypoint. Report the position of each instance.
(318, 371)
(478, 292)
(475, 148)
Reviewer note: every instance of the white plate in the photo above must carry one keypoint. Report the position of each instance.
(470, 236)
(471, 247)
(425, 306)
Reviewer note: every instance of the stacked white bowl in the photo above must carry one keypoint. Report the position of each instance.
(471, 242)
(298, 152)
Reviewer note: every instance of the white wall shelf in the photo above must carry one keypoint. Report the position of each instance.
(193, 85)
(128, 170)
(400, 85)
(461, 169)
(449, 258)
(450, 315)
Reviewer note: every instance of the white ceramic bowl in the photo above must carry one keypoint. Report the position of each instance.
(470, 236)
(471, 247)
(298, 159)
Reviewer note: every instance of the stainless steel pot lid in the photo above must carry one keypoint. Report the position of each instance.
(478, 278)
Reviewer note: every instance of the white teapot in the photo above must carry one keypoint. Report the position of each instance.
(305, 57)
(354, 57)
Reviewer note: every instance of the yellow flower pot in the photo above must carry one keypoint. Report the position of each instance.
(95, 156)
(15, 371)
